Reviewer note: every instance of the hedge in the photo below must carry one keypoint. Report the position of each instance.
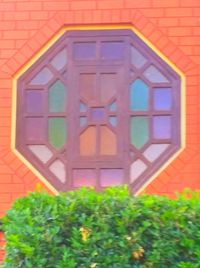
(110, 229)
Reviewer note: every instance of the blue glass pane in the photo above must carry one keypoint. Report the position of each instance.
(162, 127)
(113, 107)
(139, 96)
(83, 107)
(113, 120)
(162, 99)
(83, 120)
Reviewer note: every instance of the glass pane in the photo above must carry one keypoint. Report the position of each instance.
(108, 141)
(113, 120)
(57, 132)
(58, 169)
(34, 101)
(154, 75)
(139, 95)
(57, 97)
(162, 127)
(42, 152)
(162, 99)
(59, 61)
(85, 51)
(35, 129)
(108, 85)
(98, 114)
(139, 131)
(137, 59)
(88, 142)
(83, 107)
(111, 177)
(83, 121)
(42, 78)
(137, 168)
(84, 177)
(112, 50)
(112, 107)
(154, 151)
(88, 86)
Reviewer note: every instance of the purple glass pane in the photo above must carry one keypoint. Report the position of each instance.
(42, 78)
(34, 101)
(112, 50)
(98, 114)
(60, 60)
(109, 177)
(162, 127)
(84, 177)
(163, 99)
(85, 51)
(35, 129)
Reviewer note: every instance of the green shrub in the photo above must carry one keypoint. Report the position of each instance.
(111, 229)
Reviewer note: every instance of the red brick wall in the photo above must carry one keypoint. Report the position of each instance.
(173, 26)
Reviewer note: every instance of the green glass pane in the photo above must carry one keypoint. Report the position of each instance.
(57, 97)
(139, 131)
(139, 96)
(57, 132)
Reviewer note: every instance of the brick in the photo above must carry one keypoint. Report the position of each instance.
(189, 21)
(153, 12)
(7, 44)
(180, 31)
(178, 12)
(5, 178)
(42, 15)
(7, 7)
(5, 198)
(167, 22)
(138, 4)
(165, 3)
(82, 5)
(186, 3)
(57, 5)
(16, 34)
(11, 187)
(110, 4)
(32, 5)
(17, 15)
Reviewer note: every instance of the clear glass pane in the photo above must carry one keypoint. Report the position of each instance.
(113, 120)
(88, 142)
(137, 168)
(139, 131)
(60, 60)
(112, 50)
(108, 85)
(57, 132)
(108, 141)
(154, 151)
(162, 99)
(162, 127)
(58, 169)
(83, 121)
(35, 129)
(34, 101)
(137, 59)
(42, 78)
(42, 152)
(98, 114)
(84, 177)
(111, 177)
(57, 96)
(83, 107)
(113, 107)
(139, 96)
(88, 86)
(154, 75)
(85, 51)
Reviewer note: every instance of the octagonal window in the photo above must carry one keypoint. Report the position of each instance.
(99, 108)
